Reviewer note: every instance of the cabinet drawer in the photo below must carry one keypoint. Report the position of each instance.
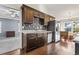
(31, 36)
(40, 35)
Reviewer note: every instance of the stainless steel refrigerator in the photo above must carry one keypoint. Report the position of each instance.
(54, 26)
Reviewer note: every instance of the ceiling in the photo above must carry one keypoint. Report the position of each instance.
(59, 11)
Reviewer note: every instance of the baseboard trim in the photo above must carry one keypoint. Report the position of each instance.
(57, 41)
(49, 43)
(14, 52)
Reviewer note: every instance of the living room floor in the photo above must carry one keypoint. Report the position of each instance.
(55, 49)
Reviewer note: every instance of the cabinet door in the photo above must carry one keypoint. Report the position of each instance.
(27, 15)
(41, 15)
(40, 40)
(47, 19)
(31, 42)
(36, 13)
(30, 15)
(23, 15)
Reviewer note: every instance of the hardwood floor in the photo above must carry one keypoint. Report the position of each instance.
(50, 49)
(67, 49)
(42, 50)
(54, 49)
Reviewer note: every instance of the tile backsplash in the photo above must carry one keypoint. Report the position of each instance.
(34, 26)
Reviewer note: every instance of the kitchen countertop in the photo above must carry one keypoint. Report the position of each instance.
(35, 31)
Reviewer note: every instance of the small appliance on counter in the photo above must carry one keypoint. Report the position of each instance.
(10, 33)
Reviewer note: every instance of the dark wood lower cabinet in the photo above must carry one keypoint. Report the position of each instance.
(31, 39)
(34, 41)
(40, 40)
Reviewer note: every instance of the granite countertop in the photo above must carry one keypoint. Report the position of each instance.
(35, 31)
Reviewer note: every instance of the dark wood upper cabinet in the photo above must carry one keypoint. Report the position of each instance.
(41, 15)
(47, 19)
(36, 13)
(27, 14)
